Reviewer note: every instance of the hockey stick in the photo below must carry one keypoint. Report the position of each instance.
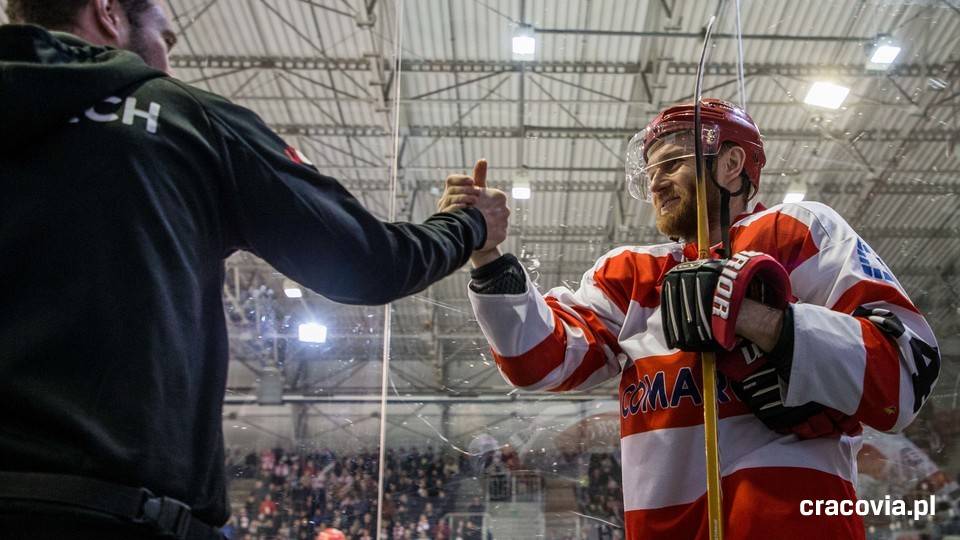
(708, 360)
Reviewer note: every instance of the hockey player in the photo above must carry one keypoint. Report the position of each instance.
(815, 336)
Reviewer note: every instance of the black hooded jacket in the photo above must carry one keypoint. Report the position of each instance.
(121, 192)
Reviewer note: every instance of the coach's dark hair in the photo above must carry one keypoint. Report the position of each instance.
(62, 14)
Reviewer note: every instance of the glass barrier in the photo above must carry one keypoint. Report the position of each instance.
(554, 120)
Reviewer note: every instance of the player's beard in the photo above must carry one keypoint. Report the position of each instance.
(680, 221)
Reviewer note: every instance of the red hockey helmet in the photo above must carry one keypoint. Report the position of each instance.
(721, 122)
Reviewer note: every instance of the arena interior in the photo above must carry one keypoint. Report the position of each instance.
(391, 96)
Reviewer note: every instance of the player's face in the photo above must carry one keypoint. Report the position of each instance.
(151, 36)
(673, 184)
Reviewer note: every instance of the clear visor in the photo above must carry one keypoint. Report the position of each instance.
(641, 162)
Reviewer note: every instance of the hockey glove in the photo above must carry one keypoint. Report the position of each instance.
(748, 274)
(700, 300)
(764, 392)
(686, 300)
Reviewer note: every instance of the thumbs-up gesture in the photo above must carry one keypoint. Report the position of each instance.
(462, 191)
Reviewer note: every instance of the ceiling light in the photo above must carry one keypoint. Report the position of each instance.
(291, 289)
(521, 192)
(792, 197)
(521, 186)
(883, 51)
(524, 43)
(795, 193)
(885, 54)
(313, 333)
(825, 94)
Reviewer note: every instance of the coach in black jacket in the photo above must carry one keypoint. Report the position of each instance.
(123, 190)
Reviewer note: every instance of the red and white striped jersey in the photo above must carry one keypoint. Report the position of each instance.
(611, 326)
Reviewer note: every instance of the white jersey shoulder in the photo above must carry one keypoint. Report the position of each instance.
(824, 223)
(672, 249)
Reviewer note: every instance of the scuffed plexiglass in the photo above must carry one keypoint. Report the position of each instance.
(301, 419)
(541, 465)
(507, 463)
(466, 454)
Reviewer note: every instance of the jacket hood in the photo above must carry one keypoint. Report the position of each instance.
(46, 78)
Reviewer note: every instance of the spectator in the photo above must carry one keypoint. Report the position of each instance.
(442, 531)
(268, 507)
(423, 527)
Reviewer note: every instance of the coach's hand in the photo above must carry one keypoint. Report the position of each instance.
(462, 191)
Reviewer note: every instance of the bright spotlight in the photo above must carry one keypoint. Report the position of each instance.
(524, 43)
(792, 197)
(521, 186)
(291, 289)
(313, 333)
(885, 54)
(883, 51)
(795, 192)
(520, 192)
(826, 94)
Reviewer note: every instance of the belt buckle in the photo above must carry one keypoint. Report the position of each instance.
(169, 516)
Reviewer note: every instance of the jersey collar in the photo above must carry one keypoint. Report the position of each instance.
(690, 252)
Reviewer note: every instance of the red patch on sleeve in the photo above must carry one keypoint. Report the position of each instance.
(297, 156)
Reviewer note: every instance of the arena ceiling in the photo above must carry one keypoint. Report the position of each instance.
(324, 74)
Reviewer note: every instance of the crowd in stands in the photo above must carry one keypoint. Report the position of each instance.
(294, 496)
(603, 496)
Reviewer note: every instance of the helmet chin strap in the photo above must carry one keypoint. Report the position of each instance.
(725, 197)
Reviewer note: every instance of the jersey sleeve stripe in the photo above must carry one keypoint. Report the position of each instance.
(880, 404)
(633, 275)
(536, 363)
(866, 291)
(590, 348)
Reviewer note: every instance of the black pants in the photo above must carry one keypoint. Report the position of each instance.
(29, 520)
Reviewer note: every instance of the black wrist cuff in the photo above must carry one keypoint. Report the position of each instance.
(503, 275)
